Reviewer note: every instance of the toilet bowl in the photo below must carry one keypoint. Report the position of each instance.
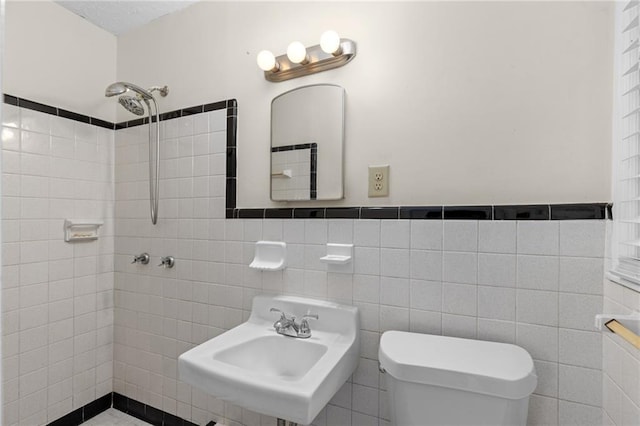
(439, 380)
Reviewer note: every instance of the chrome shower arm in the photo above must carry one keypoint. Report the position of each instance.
(164, 90)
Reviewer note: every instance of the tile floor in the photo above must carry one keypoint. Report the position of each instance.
(114, 417)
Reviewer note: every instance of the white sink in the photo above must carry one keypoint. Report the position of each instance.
(286, 377)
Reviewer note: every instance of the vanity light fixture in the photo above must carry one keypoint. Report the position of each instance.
(267, 62)
(332, 52)
(330, 43)
(297, 53)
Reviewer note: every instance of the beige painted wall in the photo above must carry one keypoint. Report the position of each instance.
(470, 103)
(55, 57)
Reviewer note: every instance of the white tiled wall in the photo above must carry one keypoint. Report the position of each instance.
(57, 297)
(621, 362)
(537, 284)
(159, 313)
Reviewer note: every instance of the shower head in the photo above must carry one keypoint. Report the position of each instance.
(132, 104)
(121, 87)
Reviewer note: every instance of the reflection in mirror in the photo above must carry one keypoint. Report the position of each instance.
(307, 144)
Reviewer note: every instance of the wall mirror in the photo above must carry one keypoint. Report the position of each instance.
(307, 144)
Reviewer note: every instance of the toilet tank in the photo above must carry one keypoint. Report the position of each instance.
(439, 380)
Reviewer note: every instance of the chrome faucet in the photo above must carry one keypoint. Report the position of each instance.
(289, 327)
(141, 258)
(167, 262)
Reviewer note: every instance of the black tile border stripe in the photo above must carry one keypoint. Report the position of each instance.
(127, 405)
(278, 213)
(379, 212)
(421, 212)
(59, 112)
(231, 104)
(467, 213)
(585, 211)
(528, 212)
(578, 211)
(309, 213)
(342, 213)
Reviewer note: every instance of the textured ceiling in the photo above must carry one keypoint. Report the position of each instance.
(119, 17)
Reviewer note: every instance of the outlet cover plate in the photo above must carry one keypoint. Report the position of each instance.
(379, 181)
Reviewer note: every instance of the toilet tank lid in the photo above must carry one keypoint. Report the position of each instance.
(490, 368)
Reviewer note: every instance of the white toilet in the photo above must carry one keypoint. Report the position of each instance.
(438, 380)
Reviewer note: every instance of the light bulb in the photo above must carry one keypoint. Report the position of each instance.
(297, 53)
(330, 42)
(266, 61)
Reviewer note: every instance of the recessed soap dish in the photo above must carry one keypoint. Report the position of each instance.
(338, 254)
(81, 230)
(270, 256)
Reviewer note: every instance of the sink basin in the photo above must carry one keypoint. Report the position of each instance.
(290, 378)
(288, 359)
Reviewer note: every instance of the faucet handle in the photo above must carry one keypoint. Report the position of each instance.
(141, 258)
(305, 330)
(167, 262)
(282, 314)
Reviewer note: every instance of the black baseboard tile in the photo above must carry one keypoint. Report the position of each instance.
(129, 406)
(82, 414)
(96, 407)
(136, 409)
(148, 413)
(120, 402)
(521, 212)
(419, 212)
(72, 419)
(154, 416)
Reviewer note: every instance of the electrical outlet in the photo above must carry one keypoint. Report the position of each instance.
(379, 181)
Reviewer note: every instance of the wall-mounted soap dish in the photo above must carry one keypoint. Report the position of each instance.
(81, 230)
(270, 256)
(338, 254)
